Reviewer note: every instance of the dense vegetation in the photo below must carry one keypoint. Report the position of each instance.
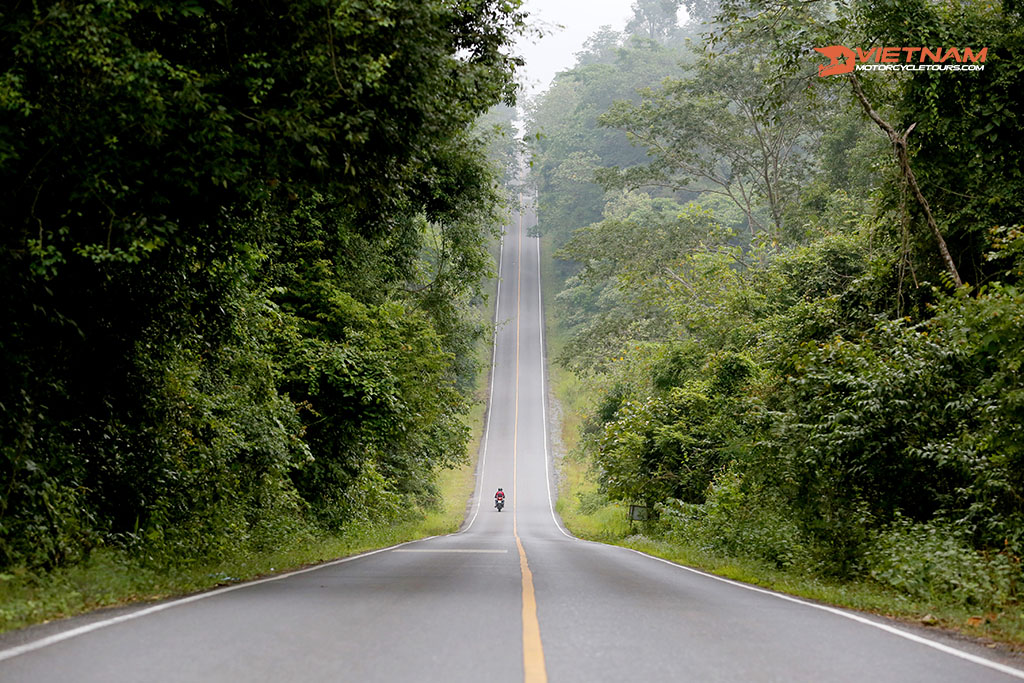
(780, 360)
(240, 247)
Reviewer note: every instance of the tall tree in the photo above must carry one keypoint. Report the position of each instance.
(720, 131)
(654, 19)
(168, 168)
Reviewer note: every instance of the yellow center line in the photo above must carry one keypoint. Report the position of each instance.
(534, 670)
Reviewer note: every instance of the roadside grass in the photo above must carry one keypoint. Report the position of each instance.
(588, 515)
(456, 486)
(576, 498)
(113, 577)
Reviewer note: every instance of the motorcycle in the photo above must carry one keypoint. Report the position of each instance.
(499, 503)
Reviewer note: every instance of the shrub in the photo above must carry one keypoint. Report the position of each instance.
(935, 561)
(738, 519)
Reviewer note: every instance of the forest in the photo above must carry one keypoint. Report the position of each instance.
(792, 302)
(245, 248)
(242, 254)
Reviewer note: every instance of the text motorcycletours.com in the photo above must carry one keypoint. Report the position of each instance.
(920, 67)
(844, 60)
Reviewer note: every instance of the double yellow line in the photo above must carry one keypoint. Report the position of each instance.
(534, 670)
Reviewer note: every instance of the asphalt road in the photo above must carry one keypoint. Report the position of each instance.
(511, 597)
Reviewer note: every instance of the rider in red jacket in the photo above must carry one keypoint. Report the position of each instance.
(500, 495)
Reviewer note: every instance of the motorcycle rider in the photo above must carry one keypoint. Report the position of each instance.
(499, 495)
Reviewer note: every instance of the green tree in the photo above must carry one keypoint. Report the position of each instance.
(194, 193)
(654, 19)
(717, 131)
(569, 146)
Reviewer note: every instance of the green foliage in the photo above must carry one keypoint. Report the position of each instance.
(569, 144)
(654, 19)
(240, 255)
(963, 142)
(738, 520)
(938, 562)
(667, 437)
(965, 137)
(769, 364)
(861, 434)
(505, 150)
(915, 420)
(713, 131)
(627, 265)
(986, 331)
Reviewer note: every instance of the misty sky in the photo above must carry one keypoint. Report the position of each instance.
(556, 51)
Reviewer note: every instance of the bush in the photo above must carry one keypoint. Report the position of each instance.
(740, 520)
(935, 561)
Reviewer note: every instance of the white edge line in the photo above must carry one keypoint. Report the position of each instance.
(95, 626)
(479, 488)
(450, 550)
(975, 659)
(548, 472)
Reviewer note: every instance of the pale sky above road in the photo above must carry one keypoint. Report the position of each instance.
(556, 51)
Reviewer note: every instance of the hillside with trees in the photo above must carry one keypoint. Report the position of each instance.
(794, 302)
(241, 264)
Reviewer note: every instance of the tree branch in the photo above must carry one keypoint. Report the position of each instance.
(903, 158)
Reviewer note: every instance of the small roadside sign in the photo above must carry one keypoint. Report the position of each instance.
(638, 513)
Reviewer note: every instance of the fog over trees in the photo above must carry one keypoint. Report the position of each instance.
(779, 359)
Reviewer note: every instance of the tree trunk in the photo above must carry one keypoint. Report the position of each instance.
(903, 158)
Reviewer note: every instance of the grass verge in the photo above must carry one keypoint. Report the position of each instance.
(113, 577)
